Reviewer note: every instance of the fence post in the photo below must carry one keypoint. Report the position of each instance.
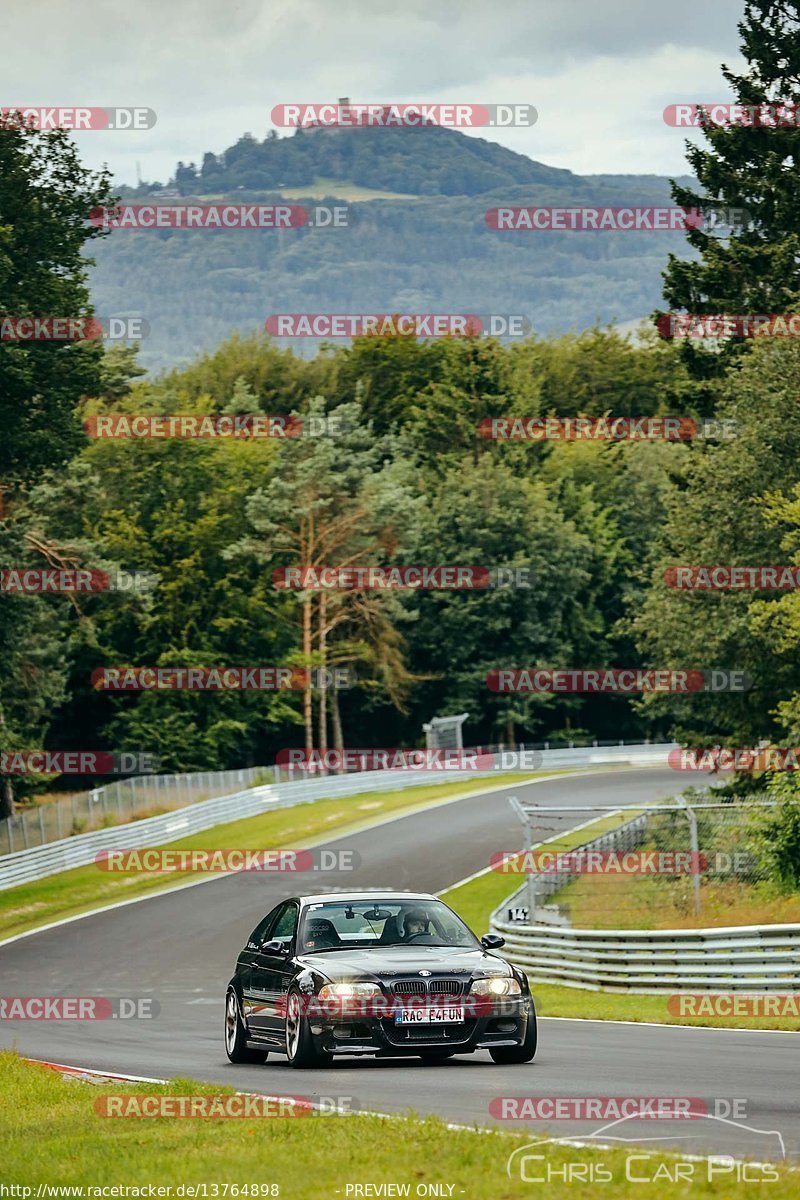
(690, 813)
(41, 825)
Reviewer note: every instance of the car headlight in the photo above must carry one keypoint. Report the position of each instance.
(348, 991)
(496, 985)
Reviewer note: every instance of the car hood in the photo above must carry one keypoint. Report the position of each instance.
(388, 962)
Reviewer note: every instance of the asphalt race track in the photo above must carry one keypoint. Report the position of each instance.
(180, 948)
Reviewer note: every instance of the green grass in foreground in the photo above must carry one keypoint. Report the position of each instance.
(476, 900)
(84, 888)
(52, 1134)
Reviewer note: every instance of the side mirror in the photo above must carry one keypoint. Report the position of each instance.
(274, 948)
(492, 941)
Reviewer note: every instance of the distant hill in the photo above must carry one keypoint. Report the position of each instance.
(429, 161)
(431, 253)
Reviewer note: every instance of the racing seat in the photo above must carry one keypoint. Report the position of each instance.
(320, 934)
(390, 934)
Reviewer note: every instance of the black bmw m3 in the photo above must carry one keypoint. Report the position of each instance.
(363, 973)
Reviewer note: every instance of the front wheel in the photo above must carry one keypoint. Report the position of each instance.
(519, 1054)
(300, 1048)
(236, 1035)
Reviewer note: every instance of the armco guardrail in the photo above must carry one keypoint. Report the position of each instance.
(743, 958)
(740, 958)
(81, 850)
(128, 799)
(136, 797)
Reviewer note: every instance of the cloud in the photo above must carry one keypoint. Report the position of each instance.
(599, 75)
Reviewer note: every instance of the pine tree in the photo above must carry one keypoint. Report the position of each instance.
(752, 166)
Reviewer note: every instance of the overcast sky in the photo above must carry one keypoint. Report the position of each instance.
(600, 72)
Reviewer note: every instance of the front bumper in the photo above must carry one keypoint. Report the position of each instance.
(499, 1023)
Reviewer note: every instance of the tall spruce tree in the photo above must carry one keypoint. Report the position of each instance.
(46, 196)
(753, 166)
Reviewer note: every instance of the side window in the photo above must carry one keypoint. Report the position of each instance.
(261, 930)
(286, 924)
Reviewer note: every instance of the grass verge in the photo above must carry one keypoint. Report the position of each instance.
(478, 898)
(80, 890)
(667, 902)
(52, 1135)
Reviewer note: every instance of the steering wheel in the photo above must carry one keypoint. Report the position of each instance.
(412, 936)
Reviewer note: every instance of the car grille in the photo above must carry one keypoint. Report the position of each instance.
(445, 987)
(401, 1035)
(410, 987)
(421, 987)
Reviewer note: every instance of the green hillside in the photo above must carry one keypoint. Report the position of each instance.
(430, 253)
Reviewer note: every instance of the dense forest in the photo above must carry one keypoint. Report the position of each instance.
(408, 480)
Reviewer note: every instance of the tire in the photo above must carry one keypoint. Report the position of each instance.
(507, 1055)
(300, 1049)
(236, 1035)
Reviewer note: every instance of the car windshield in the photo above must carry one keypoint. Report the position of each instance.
(345, 924)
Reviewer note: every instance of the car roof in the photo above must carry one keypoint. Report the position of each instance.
(371, 895)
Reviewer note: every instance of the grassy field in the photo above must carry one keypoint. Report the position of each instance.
(477, 899)
(84, 888)
(53, 1135)
(650, 902)
(474, 901)
(321, 188)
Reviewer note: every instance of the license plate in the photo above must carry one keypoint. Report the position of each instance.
(430, 1016)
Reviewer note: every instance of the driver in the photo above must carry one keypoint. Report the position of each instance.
(417, 923)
